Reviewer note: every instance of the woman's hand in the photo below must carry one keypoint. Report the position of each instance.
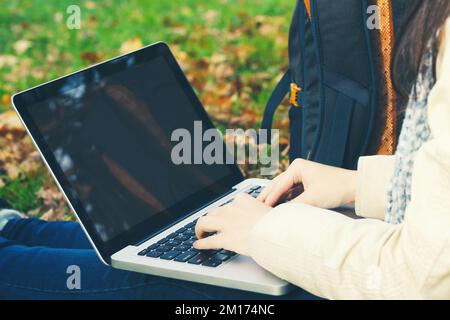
(312, 183)
(304, 181)
(232, 224)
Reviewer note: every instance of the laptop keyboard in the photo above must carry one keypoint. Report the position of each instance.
(177, 246)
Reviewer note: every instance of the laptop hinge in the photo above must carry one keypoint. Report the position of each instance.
(183, 217)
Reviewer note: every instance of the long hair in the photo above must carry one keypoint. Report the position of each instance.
(425, 20)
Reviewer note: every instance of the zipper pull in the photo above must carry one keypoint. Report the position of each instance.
(295, 89)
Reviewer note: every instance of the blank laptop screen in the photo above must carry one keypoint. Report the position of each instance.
(110, 132)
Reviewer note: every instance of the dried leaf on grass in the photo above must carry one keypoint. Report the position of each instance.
(22, 45)
(131, 45)
(10, 123)
(19, 160)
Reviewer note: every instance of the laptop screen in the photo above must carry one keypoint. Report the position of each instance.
(109, 129)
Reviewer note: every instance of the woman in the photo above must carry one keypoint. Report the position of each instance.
(327, 254)
(333, 256)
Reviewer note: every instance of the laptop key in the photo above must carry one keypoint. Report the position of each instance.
(221, 257)
(198, 259)
(182, 247)
(189, 233)
(255, 194)
(189, 242)
(170, 255)
(185, 256)
(173, 243)
(191, 224)
(211, 263)
(172, 235)
(181, 230)
(153, 246)
(163, 240)
(143, 252)
(227, 252)
(207, 254)
(154, 254)
(255, 191)
(181, 237)
(163, 248)
(226, 202)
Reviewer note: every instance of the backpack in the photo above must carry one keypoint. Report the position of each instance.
(341, 94)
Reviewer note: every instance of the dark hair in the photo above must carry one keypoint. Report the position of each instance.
(425, 20)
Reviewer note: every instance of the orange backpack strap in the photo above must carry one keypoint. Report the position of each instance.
(388, 138)
(308, 7)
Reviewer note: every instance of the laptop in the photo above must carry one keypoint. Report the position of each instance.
(105, 133)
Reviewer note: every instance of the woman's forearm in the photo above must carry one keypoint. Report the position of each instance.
(336, 257)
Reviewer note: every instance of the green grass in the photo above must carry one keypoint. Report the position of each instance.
(21, 192)
(198, 28)
(110, 23)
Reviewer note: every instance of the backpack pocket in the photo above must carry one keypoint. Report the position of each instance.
(347, 110)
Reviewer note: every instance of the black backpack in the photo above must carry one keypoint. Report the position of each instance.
(337, 79)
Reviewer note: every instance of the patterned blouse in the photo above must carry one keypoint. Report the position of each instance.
(415, 132)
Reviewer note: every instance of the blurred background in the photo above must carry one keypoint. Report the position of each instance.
(232, 51)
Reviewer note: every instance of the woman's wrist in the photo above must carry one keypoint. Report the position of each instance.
(350, 181)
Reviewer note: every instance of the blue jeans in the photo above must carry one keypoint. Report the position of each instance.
(35, 256)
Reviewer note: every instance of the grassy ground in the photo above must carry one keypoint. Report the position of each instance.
(232, 51)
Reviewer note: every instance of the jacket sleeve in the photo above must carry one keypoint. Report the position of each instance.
(373, 176)
(333, 256)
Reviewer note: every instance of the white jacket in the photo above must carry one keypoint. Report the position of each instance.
(336, 257)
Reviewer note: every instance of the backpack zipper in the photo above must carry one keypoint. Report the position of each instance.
(295, 89)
